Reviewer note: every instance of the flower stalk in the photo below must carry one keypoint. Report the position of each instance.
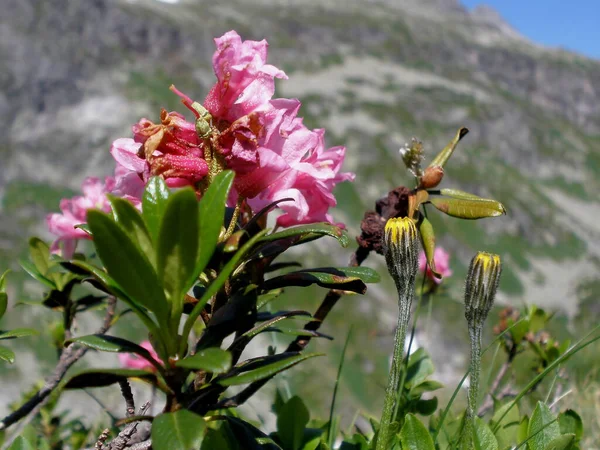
(401, 255)
(480, 290)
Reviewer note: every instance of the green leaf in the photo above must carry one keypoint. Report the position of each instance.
(562, 442)
(40, 255)
(483, 437)
(104, 282)
(181, 430)
(32, 270)
(425, 386)
(113, 344)
(414, 435)
(263, 367)
(468, 209)
(127, 265)
(426, 407)
(570, 422)
(543, 427)
(18, 332)
(420, 366)
(20, 443)
(211, 214)
(506, 434)
(3, 295)
(215, 286)
(154, 202)
(344, 278)
(267, 297)
(6, 354)
(291, 421)
(442, 158)
(272, 321)
(131, 221)
(105, 377)
(311, 231)
(214, 360)
(177, 249)
(250, 436)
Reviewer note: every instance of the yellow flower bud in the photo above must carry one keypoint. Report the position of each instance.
(481, 286)
(401, 244)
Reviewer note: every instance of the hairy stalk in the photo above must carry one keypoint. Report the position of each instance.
(401, 249)
(474, 371)
(405, 299)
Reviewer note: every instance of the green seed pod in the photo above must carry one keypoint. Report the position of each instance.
(481, 286)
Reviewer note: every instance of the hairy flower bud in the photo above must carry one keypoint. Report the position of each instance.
(412, 155)
(401, 244)
(481, 286)
(401, 248)
(480, 290)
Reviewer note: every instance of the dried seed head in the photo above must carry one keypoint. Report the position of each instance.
(481, 286)
(412, 155)
(401, 244)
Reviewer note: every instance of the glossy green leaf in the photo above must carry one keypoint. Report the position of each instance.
(313, 230)
(177, 249)
(211, 214)
(521, 431)
(18, 332)
(35, 273)
(3, 295)
(105, 377)
(20, 443)
(272, 321)
(563, 442)
(266, 298)
(427, 236)
(292, 419)
(113, 344)
(570, 423)
(414, 435)
(442, 158)
(483, 438)
(6, 354)
(154, 202)
(131, 221)
(214, 360)
(426, 407)
(344, 278)
(127, 265)
(105, 282)
(181, 430)
(259, 368)
(543, 427)
(215, 286)
(468, 209)
(249, 435)
(40, 255)
(461, 195)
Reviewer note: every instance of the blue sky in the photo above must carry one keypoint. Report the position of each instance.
(574, 25)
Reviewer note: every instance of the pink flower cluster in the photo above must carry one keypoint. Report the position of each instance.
(273, 154)
(133, 361)
(262, 139)
(74, 210)
(441, 259)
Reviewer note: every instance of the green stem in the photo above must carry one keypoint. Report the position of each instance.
(405, 298)
(474, 370)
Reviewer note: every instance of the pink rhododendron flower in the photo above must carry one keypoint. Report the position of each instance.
(170, 149)
(133, 361)
(273, 154)
(245, 82)
(441, 259)
(74, 212)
